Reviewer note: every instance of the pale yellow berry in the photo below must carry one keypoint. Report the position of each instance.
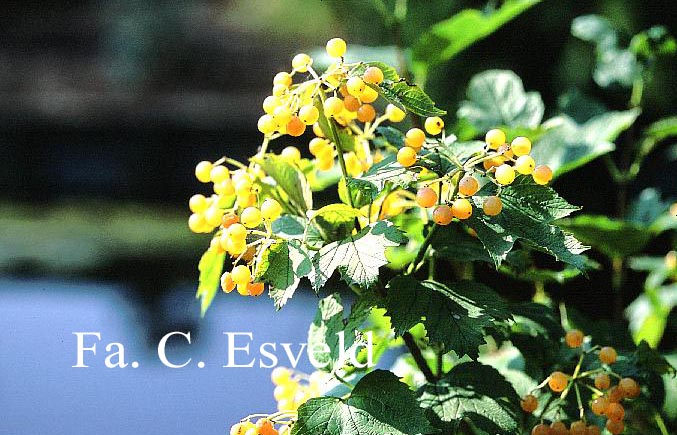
(219, 173)
(495, 138)
(282, 78)
(251, 217)
(355, 86)
(202, 171)
(291, 154)
(520, 146)
(394, 113)
(309, 114)
(267, 124)
(505, 174)
(198, 203)
(336, 47)
(434, 125)
(270, 209)
(301, 62)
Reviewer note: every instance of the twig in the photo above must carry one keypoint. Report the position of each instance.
(415, 352)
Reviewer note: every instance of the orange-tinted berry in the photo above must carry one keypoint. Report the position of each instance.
(529, 403)
(229, 219)
(426, 197)
(227, 283)
(255, 288)
(468, 185)
(558, 428)
(615, 395)
(602, 381)
(578, 428)
(541, 429)
(366, 113)
(599, 405)
(574, 338)
(442, 215)
(373, 75)
(615, 411)
(351, 103)
(558, 382)
(629, 387)
(492, 205)
(615, 427)
(608, 355)
(542, 174)
(295, 127)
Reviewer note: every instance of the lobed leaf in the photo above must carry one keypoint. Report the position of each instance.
(210, 267)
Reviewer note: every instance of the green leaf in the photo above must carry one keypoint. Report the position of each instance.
(388, 170)
(289, 227)
(649, 359)
(452, 243)
(454, 316)
(357, 191)
(614, 64)
(392, 136)
(447, 38)
(379, 404)
(289, 179)
(282, 266)
(497, 98)
(389, 73)
(328, 323)
(569, 145)
(648, 314)
(358, 257)
(408, 97)
(612, 237)
(662, 129)
(335, 221)
(210, 267)
(472, 391)
(529, 211)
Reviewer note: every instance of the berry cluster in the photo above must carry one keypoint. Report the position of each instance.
(606, 399)
(242, 220)
(292, 389)
(341, 95)
(501, 163)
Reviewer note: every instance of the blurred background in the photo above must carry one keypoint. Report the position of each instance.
(105, 108)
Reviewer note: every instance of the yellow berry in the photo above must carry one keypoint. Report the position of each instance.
(227, 283)
(237, 231)
(333, 106)
(280, 375)
(251, 217)
(394, 113)
(318, 146)
(492, 205)
(406, 156)
(219, 173)
(525, 165)
(495, 138)
(505, 174)
(414, 138)
(369, 95)
(243, 187)
(198, 203)
(270, 103)
(336, 47)
(434, 125)
(520, 146)
(213, 216)
(279, 90)
(270, 209)
(468, 185)
(301, 62)
(241, 275)
(291, 154)
(542, 174)
(282, 115)
(203, 170)
(461, 208)
(282, 78)
(355, 86)
(325, 163)
(574, 338)
(267, 124)
(197, 223)
(309, 114)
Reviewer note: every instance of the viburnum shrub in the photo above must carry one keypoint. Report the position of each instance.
(410, 201)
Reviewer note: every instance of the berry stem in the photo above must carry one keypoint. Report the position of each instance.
(581, 412)
(420, 361)
(422, 250)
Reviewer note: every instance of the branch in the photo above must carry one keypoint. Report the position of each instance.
(415, 352)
